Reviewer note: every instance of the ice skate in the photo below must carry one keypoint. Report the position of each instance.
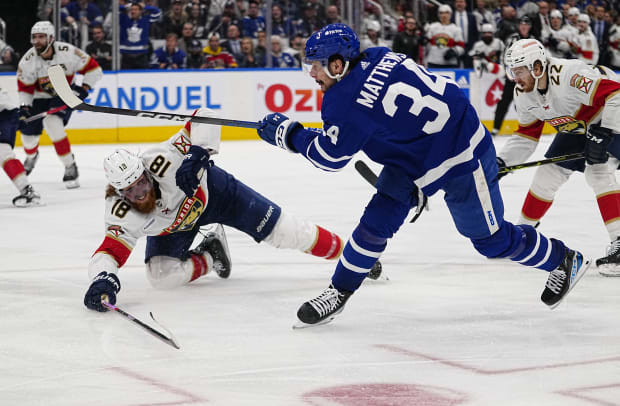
(27, 198)
(216, 245)
(30, 162)
(610, 264)
(563, 279)
(323, 308)
(376, 273)
(71, 177)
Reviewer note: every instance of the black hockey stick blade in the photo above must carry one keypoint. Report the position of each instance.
(63, 89)
(372, 178)
(555, 159)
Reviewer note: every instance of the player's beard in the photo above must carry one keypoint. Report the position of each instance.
(147, 205)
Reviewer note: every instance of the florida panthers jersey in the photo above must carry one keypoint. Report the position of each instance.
(174, 211)
(440, 38)
(32, 78)
(399, 114)
(586, 47)
(564, 37)
(614, 45)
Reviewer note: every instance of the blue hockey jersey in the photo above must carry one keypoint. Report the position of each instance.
(400, 115)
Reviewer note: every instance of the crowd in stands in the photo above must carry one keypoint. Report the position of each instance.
(211, 34)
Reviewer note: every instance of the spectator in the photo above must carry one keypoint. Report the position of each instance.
(219, 24)
(260, 48)
(195, 57)
(309, 22)
(134, 35)
(558, 42)
(187, 37)
(409, 40)
(232, 44)
(297, 45)
(445, 42)
(8, 57)
(253, 22)
(279, 58)
(99, 49)
(279, 25)
(573, 14)
(541, 24)
(332, 15)
(585, 47)
(248, 57)
(372, 38)
(483, 14)
(216, 57)
(85, 12)
(469, 30)
(601, 28)
(198, 19)
(175, 18)
(169, 56)
(614, 45)
(508, 24)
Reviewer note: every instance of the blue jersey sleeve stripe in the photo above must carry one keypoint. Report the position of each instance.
(327, 167)
(353, 268)
(364, 251)
(437, 172)
(325, 155)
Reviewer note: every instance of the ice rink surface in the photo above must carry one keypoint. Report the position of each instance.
(449, 328)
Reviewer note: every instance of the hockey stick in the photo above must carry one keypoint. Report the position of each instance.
(372, 178)
(168, 340)
(555, 159)
(45, 113)
(62, 88)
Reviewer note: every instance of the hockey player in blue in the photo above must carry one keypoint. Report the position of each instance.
(428, 136)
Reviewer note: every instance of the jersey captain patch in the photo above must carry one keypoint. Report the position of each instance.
(581, 83)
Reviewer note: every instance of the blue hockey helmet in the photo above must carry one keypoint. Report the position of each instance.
(333, 39)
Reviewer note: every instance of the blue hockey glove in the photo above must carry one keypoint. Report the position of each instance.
(106, 284)
(276, 129)
(597, 140)
(79, 91)
(187, 175)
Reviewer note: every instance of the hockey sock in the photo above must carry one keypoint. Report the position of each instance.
(534, 207)
(538, 251)
(63, 149)
(200, 266)
(359, 255)
(327, 244)
(16, 172)
(31, 144)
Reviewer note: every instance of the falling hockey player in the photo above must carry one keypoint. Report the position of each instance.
(170, 191)
(36, 95)
(428, 136)
(582, 102)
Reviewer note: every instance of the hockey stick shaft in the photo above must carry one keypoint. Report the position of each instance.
(168, 340)
(63, 89)
(45, 113)
(560, 158)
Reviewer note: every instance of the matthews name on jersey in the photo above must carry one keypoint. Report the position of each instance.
(421, 123)
(32, 79)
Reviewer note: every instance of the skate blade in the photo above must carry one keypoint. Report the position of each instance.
(586, 265)
(301, 325)
(609, 270)
(381, 278)
(72, 184)
(23, 205)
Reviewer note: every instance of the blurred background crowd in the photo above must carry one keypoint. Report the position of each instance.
(212, 34)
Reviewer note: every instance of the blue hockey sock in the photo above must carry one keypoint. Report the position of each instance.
(538, 251)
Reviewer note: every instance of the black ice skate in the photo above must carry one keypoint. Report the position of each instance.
(563, 280)
(610, 265)
(30, 162)
(376, 272)
(323, 308)
(27, 198)
(71, 177)
(216, 245)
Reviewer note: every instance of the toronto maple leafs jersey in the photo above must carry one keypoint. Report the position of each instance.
(577, 95)
(174, 211)
(32, 78)
(399, 114)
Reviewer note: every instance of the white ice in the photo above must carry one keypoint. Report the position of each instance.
(449, 328)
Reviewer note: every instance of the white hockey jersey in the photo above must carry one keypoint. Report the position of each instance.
(577, 95)
(174, 211)
(440, 38)
(32, 79)
(488, 57)
(586, 47)
(564, 37)
(614, 44)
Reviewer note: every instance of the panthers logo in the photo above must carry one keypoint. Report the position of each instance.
(568, 124)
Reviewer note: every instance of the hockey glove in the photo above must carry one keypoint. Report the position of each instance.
(24, 112)
(597, 140)
(105, 286)
(79, 91)
(501, 165)
(276, 129)
(189, 173)
(449, 54)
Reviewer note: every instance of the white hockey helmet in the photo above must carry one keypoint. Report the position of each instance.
(122, 168)
(43, 27)
(487, 28)
(444, 8)
(526, 52)
(555, 14)
(584, 18)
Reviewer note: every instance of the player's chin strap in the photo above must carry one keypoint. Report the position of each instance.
(339, 76)
(536, 78)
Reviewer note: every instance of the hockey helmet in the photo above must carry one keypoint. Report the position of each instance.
(43, 27)
(122, 168)
(584, 18)
(333, 39)
(487, 28)
(526, 52)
